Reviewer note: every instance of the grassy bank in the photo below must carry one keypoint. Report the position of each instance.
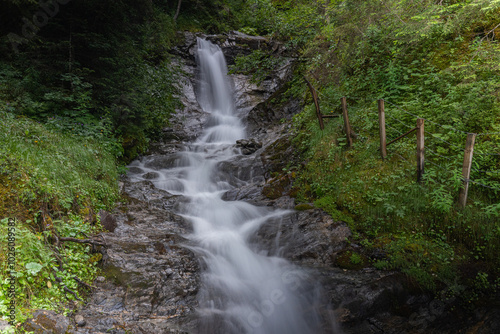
(428, 60)
(52, 184)
(418, 228)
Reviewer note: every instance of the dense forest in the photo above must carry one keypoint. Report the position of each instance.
(85, 86)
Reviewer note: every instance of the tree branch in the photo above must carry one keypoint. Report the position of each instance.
(481, 42)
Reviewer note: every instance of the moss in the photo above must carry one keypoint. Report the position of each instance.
(303, 207)
(351, 260)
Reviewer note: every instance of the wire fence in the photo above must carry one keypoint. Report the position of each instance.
(440, 144)
(435, 141)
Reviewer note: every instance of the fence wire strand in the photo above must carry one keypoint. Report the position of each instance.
(446, 127)
(447, 142)
(392, 128)
(480, 184)
(438, 166)
(489, 134)
(485, 171)
(437, 154)
(400, 121)
(494, 154)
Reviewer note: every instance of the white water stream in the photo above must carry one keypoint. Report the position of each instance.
(243, 289)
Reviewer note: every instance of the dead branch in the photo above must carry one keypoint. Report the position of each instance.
(82, 241)
(65, 288)
(88, 286)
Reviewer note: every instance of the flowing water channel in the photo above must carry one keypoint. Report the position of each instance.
(243, 288)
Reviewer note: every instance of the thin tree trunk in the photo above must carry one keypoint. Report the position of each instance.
(178, 10)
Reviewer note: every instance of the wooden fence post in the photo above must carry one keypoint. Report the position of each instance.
(469, 151)
(381, 124)
(420, 149)
(316, 104)
(347, 126)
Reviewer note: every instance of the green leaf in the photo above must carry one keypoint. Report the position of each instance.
(33, 268)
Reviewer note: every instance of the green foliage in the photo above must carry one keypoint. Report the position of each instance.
(258, 63)
(433, 60)
(111, 77)
(50, 175)
(356, 259)
(64, 169)
(423, 259)
(294, 22)
(36, 267)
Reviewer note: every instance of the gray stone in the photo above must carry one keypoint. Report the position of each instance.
(107, 221)
(80, 321)
(48, 322)
(151, 176)
(248, 146)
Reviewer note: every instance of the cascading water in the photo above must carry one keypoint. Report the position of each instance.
(243, 290)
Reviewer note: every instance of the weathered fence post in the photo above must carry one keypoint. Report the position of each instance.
(347, 126)
(381, 123)
(469, 151)
(316, 104)
(420, 149)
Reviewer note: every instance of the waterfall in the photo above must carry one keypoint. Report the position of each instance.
(243, 290)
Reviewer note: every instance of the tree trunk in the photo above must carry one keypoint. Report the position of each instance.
(178, 10)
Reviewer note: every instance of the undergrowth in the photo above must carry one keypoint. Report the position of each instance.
(52, 184)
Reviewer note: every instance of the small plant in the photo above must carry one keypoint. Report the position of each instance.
(355, 259)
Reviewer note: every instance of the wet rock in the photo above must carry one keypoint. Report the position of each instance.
(268, 119)
(146, 192)
(310, 237)
(80, 321)
(186, 48)
(107, 221)
(247, 168)
(250, 193)
(158, 162)
(248, 146)
(135, 170)
(236, 43)
(277, 187)
(151, 176)
(48, 322)
(279, 155)
(151, 278)
(164, 148)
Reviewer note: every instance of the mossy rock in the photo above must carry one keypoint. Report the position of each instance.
(276, 188)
